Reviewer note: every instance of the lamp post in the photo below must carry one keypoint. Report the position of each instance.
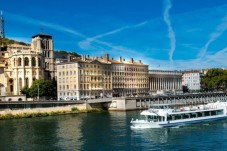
(38, 92)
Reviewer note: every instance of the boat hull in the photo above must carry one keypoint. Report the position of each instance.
(141, 124)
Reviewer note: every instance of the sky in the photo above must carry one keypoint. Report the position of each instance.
(165, 34)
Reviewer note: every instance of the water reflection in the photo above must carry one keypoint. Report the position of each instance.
(106, 131)
(152, 135)
(69, 132)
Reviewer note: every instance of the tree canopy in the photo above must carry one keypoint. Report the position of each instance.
(41, 88)
(215, 80)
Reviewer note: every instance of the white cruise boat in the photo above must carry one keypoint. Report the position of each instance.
(164, 116)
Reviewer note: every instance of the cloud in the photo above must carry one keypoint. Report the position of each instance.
(171, 34)
(218, 32)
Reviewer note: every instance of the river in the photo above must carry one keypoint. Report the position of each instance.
(106, 131)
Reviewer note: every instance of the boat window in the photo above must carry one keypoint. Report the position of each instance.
(177, 117)
(169, 118)
(220, 112)
(207, 113)
(173, 117)
(185, 116)
(213, 113)
(200, 114)
(193, 115)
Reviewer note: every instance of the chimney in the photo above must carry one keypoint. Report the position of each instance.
(106, 57)
(120, 59)
(131, 60)
(140, 61)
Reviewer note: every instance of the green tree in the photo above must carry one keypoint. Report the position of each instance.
(41, 88)
(215, 80)
(25, 90)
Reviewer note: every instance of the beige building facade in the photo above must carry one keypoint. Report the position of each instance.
(87, 77)
(23, 64)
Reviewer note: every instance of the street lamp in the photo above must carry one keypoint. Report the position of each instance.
(38, 92)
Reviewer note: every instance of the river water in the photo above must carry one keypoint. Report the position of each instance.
(106, 131)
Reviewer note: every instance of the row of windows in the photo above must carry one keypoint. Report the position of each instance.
(123, 68)
(127, 79)
(130, 86)
(85, 86)
(87, 72)
(63, 73)
(119, 68)
(26, 61)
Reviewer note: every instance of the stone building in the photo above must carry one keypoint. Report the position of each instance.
(192, 80)
(23, 64)
(129, 78)
(87, 77)
(162, 81)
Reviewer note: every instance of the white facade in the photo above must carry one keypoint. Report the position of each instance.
(161, 81)
(192, 80)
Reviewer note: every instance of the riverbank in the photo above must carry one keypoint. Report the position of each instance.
(43, 112)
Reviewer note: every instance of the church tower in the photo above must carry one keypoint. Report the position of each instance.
(2, 34)
(43, 43)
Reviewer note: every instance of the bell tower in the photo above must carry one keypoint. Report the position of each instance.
(43, 43)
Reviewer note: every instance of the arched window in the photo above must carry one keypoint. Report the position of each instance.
(19, 62)
(11, 88)
(20, 83)
(26, 61)
(20, 99)
(39, 62)
(33, 61)
(26, 81)
(9, 99)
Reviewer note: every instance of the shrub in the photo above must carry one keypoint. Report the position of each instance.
(74, 109)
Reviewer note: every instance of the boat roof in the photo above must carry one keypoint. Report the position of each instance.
(148, 113)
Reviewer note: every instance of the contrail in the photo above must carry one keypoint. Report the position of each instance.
(91, 39)
(218, 31)
(171, 34)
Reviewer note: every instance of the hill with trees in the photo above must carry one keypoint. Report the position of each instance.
(64, 54)
(7, 41)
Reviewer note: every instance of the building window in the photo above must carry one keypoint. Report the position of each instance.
(33, 62)
(11, 88)
(39, 62)
(26, 61)
(19, 62)
(26, 81)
